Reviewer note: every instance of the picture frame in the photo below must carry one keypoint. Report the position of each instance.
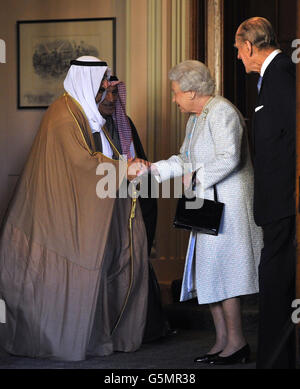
(45, 49)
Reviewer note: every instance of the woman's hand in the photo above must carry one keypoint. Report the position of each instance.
(137, 167)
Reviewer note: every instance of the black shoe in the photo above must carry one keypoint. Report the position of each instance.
(240, 356)
(206, 358)
(172, 331)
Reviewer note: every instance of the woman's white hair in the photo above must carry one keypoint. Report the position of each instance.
(193, 76)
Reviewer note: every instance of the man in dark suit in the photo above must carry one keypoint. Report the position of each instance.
(125, 138)
(273, 137)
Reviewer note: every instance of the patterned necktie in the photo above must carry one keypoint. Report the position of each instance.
(259, 83)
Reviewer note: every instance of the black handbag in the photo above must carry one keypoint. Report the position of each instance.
(205, 219)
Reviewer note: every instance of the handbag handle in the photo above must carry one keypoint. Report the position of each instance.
(194, 186)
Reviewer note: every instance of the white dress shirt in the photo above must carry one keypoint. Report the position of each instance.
(268, 60)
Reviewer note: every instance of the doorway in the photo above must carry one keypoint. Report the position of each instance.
(241, 88)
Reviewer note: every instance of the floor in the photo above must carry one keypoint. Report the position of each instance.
(173, 352)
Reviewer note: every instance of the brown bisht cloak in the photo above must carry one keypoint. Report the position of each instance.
(74, 282)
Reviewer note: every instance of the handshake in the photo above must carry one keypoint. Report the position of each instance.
(136, 167)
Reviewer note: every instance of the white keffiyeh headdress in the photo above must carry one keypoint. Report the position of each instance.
(82, 83)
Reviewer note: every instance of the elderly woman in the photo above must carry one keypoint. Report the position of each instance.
(225, 266)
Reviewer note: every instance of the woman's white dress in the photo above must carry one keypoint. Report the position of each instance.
(223, 266)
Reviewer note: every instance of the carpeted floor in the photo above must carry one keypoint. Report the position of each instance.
(173, 352)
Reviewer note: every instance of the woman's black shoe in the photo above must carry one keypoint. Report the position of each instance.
(206, 358)
(240, 356)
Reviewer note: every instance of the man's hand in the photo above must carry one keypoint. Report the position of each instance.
(137, 167)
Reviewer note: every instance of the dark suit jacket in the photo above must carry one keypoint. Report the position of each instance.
(148, 205)
(156, 323)
(274, 143)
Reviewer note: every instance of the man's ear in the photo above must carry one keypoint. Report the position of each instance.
(249, 48)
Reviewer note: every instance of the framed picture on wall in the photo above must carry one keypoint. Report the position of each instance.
(46, 47)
